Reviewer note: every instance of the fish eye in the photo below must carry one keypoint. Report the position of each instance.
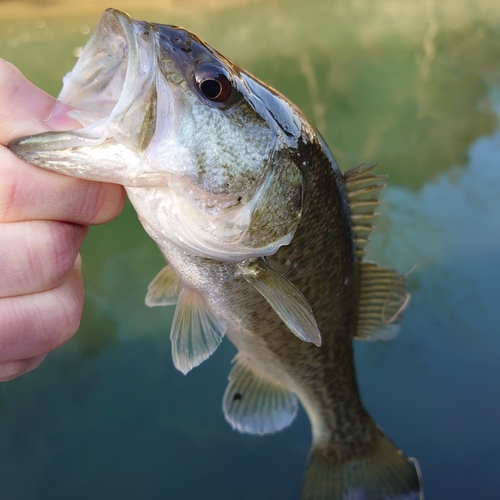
(215, 87)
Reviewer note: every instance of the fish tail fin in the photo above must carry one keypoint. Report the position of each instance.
(382, 473)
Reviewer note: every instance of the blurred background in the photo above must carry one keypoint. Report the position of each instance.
(414, 85)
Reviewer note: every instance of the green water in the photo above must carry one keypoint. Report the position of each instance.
(413, 85)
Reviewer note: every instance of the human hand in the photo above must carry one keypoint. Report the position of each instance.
(44, 218)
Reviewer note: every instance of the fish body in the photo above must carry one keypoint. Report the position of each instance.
(262, 233)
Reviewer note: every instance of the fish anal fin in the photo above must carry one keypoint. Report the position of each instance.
(254, 403)
(381, 472)
(285, 298)
(196, 331)
(363, 188)
(383, 298)
(165, 288)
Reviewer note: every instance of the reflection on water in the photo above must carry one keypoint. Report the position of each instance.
(411, 84)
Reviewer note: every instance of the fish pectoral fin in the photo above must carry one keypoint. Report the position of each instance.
(196, 331)
(254, 403)
(285, 298)
(165, 289)
(383, 298)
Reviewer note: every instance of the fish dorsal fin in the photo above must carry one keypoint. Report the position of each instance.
(284, 297)
(165, 288)
(254, 403)
(383, 297)
(363, 189)
(196, 331)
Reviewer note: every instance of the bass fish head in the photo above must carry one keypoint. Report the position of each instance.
(208, 151)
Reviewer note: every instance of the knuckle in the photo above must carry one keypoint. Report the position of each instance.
(36, 256)
(7, 71)
(59, 248)
(35, 324)
(13, 369)
(69, 299)
(56, 318)
(10, 80)
(104, 203)
(8, 196)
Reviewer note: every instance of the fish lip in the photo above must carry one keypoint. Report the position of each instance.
(116, 68)
(105, 32)
(133, 59)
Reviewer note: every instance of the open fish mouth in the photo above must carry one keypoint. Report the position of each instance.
(113, 90)
(113, 83)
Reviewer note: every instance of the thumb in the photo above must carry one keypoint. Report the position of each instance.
(25, 109)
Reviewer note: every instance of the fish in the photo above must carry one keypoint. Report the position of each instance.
(263, 235)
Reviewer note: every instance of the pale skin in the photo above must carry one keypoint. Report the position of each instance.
(44, 218)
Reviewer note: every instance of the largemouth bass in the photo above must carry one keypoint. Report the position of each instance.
(263, 235)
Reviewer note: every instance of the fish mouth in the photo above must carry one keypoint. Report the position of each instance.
(113, 90)
(113, 83)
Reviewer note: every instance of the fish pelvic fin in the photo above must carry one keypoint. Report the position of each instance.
(362, 188)
(165, 289)
(255, 403)
(383, 298)
(382, 473)
(196, 331)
